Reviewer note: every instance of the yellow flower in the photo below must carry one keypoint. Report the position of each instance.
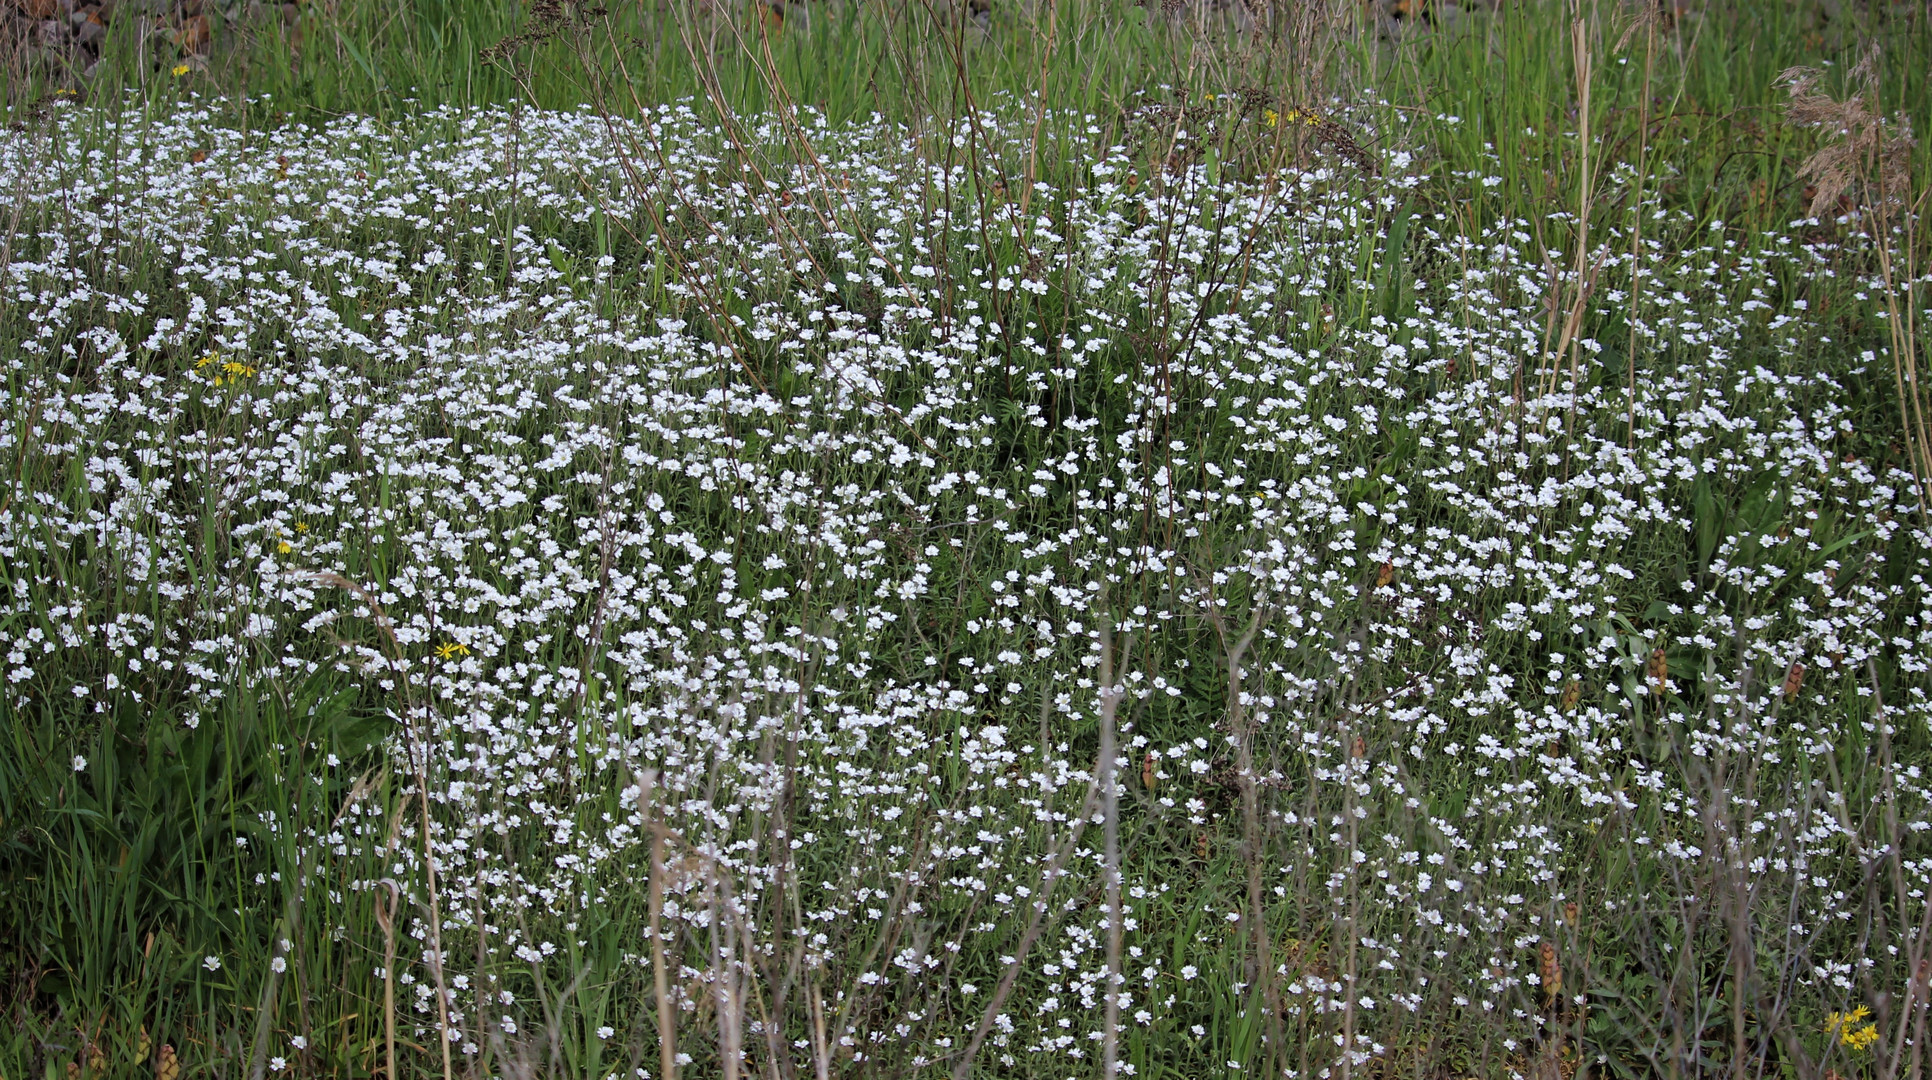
(227, 372)
(181, 69)
(1271, 116)
(1850, 1030)
(450, 649)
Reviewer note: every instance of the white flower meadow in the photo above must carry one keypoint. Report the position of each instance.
(771, 510)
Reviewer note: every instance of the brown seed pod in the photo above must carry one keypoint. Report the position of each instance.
(1385, 575)
(1150, 773)
(1794, 679)
(1572, 693)
(1660, 670)
(1549, 969)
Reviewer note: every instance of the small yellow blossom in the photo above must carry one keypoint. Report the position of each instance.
(181, 69)
(1272, 117)
(225, 372)
(451, 649)
(1850, 1029)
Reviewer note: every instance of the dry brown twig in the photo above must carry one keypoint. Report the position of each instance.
(419, 754)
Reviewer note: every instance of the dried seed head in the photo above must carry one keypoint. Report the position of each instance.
(1867, 163)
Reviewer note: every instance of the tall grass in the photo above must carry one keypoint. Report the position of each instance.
(1320, 673)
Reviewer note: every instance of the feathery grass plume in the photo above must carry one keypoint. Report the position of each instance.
(1867, 156)
(1864, 172)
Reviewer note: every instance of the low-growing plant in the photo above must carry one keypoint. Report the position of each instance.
(1060, 575)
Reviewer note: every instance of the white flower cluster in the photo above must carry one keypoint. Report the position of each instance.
(812, 488)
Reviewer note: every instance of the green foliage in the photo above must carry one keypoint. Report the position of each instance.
(178, 842)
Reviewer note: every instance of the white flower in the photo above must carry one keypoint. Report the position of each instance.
(299, 1042)
(212, 963)
(276, 1064)
(865, 506)
(606, 1032)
